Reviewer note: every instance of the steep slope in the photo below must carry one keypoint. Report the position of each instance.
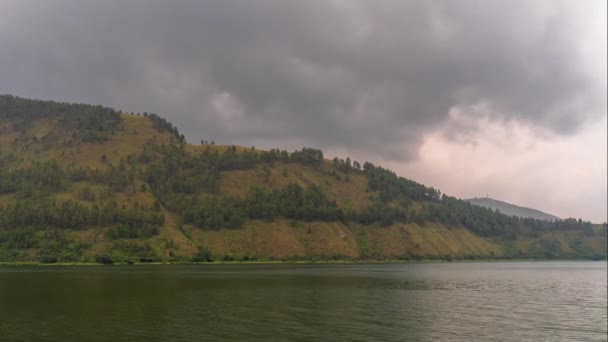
(511, 209)
(82, 183)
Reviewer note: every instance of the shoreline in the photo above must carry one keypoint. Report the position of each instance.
(280, 262)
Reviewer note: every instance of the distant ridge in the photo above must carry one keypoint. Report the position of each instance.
(511, 209)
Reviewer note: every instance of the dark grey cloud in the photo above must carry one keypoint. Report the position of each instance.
(367, 76)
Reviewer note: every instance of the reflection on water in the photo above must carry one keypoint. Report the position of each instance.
(417, 302)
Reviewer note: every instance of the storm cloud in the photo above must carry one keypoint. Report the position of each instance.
(363, 75)
(372, 78)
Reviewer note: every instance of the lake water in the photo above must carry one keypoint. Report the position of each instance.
(533, 301)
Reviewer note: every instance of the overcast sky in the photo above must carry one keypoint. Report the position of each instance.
(505, 98)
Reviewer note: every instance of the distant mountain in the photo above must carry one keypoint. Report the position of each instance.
(511, 209)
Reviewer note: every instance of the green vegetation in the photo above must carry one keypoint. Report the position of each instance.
(111, 187)
(90, 123)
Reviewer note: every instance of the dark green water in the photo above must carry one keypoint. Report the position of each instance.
(539, 301)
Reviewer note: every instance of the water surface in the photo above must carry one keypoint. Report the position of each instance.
(536, 301)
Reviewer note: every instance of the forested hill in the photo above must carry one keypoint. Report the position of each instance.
(512, 210)
(82, 183)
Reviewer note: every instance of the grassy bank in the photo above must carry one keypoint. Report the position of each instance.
(288, 262)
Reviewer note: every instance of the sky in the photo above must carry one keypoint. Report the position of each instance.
(475, 98)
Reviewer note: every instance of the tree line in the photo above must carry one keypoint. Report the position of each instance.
(93, 123)
(44, 213)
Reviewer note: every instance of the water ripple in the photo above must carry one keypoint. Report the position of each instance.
(412, 302)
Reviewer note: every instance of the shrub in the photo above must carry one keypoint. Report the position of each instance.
(104, 259)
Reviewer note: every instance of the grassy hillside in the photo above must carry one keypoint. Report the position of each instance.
(82, 183)
(512, 210)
